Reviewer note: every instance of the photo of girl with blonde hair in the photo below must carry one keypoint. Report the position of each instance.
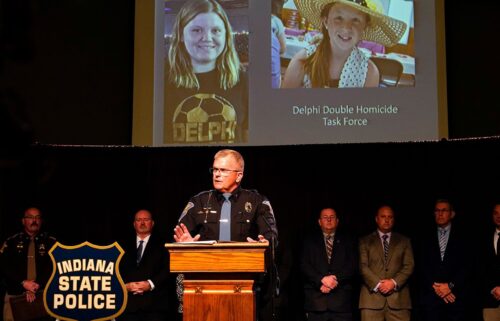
(206, 92)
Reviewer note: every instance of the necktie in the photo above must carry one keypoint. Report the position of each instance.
(442, 242)
(31, 260)
(225, 219)
(386, 246)
(329, 246)
(498, 244)
(139, 252)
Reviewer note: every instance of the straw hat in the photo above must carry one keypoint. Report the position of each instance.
(382, 29)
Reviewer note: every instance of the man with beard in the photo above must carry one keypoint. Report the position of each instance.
(144, 270)
(25, 262)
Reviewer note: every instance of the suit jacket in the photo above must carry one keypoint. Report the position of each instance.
(154, 266)
(399, 266)
(490, 272)
(314, 266)
(454, 268)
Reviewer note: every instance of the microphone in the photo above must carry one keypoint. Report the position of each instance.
(207, 207)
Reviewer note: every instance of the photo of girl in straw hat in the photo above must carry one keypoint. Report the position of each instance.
(334, 59)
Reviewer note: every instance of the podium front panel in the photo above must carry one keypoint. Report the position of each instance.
(218, 300)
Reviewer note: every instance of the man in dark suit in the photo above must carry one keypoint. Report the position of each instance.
(144, 269)
(328, 263)
(386, 263)
(491, 270)
(444, 262)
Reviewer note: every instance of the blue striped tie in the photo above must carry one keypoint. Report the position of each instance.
(225, 219)
(442, 242)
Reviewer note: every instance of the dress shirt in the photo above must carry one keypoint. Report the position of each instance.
(495, 241)
(447, 229)
(382, 240)
(326, 234)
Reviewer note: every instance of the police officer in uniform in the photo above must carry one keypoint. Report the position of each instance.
(250, 215)
(227, 212)
(25, 261)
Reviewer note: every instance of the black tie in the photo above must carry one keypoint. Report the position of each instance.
(139, 252)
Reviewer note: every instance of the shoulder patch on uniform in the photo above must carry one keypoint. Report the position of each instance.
(189, 206)
(266, 202)
(4, 246)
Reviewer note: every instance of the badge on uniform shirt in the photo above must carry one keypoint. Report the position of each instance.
(41, 249)
(20, 246)
(248, 207)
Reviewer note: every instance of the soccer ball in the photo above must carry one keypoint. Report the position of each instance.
(204, 118)
(202, 108)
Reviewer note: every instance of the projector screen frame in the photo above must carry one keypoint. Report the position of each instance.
(148, 92)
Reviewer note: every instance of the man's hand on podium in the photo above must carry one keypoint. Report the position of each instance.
(261, 239)
(181, 234)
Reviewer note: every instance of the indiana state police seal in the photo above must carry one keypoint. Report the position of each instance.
(85, 284)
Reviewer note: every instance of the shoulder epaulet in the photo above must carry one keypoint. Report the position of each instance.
(204, 192)
(15, 236)
(46, 235)
(10, 238)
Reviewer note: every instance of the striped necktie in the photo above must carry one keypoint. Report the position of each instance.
(386, 246)
(329, 246)
(139, 252)
(442, 242)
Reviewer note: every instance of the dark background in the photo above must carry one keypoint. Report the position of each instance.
(66, 79)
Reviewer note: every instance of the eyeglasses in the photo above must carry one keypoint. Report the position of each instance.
(33, 217)
(222, 171)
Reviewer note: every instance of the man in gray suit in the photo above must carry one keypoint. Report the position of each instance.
(386, 263)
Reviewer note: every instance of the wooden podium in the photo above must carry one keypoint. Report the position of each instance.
(218, 279)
